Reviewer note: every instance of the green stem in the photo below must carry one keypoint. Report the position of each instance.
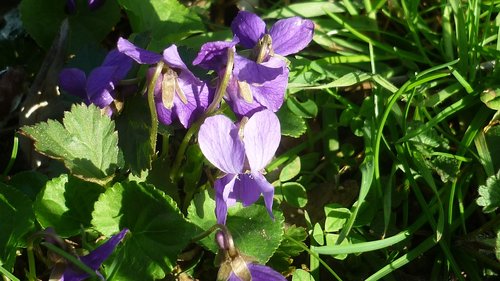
(70, 258)
(219, 94)
(152, 106)
(13, 156)
(31, 264)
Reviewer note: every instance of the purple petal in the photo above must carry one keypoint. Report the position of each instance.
(245, 190)
(94, 259)
(139, 55)
(267, 191)
(252, 72)
(221, 145)
(74, 81)
(121, 62)
(291, 35)
(262, 135)
(261, 272)
(239, 106)
(198, 98)
(248, 28)
(100, 86)
(165, 115)
(213, 55)
(94, 4)
(172, 59)
(272, 93)
(70, 6)
(223, 187)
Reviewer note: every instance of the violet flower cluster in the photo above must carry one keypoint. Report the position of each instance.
(255, 91)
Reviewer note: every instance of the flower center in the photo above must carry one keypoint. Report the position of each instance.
(263, 49)
(170, 87)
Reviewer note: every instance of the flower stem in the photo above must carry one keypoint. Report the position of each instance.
(219, 94)
(152, 106)
(228, 238)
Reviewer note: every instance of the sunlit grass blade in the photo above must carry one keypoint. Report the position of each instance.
(7, 274)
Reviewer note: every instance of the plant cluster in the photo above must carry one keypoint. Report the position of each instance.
(212, 140)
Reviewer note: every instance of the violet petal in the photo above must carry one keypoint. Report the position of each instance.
(213, 55)
(139, 55)
(165, 115)
(221, 145)
(252, 72)
(291, 35)
(262, 135)
(260, 272)
(221, 186)
(121, 61)
(94, 4)
(267, 191)
(94, 259)
(172, 58)
(272, 93)
(198, 98)
(74, 81)
(245, 190)
(248, 28)
(100, 86)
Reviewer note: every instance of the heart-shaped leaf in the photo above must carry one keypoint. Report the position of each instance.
(158, 230)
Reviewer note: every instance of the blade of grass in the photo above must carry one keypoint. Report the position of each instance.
(13, 156)
(459, 105)
(403, 260)
(7, 274)
(392, 50)
(315, 255)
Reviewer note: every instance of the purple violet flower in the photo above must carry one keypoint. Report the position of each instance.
(261, 81)
(93, 4)
(288, 36)
(178, 93)
(99, 87)
(252, 86)
(240, 151)
(94, 259)
(259, 272)
(237, 267)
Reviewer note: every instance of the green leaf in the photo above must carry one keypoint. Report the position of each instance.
(331, 240)
(86, 142)
(336, 217)
(491, 98)
(66, 204)
(497, 244)
(291, 170)
(162, 18)
(29, 182)
(42, 20)
(254, 232)
(158, 230)
(318, 234)
(446, 167)
(291, 124)
(489, 194)
(17, 220)
(306, 10)
(306, 109)
(294, 193)
(134, 129)
(302, 275)
(282, 258)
